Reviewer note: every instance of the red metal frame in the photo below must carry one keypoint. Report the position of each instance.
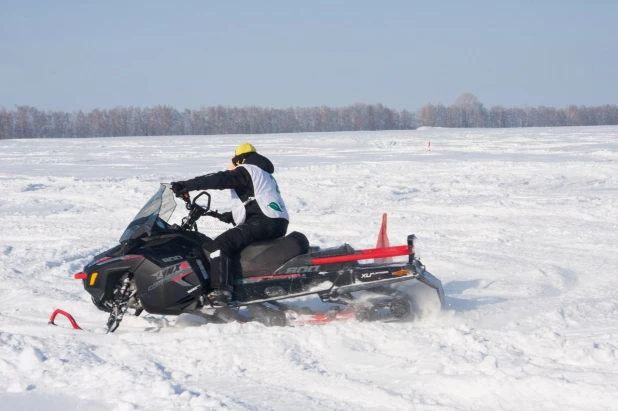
(278, 277)
(366, 254)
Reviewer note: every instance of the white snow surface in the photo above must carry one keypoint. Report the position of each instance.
(521, 226)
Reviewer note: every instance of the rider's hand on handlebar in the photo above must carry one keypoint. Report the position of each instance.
(227, 217)
(180, 187)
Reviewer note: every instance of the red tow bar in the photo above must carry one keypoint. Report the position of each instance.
(66, 314)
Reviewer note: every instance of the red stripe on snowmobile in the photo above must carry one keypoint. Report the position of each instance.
(124, 258)
(270, 277)
(367, 254)
(323, 319)
(132, 257)
(181, 276)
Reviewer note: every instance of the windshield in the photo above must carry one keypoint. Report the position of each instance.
(161, 205)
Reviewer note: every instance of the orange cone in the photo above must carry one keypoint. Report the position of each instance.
(383, 241)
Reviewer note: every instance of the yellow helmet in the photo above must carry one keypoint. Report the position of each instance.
(245, 148)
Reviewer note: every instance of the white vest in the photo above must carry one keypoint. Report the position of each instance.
(265, 192)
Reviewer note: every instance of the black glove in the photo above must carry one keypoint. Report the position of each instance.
(227, 217)
(180, 187)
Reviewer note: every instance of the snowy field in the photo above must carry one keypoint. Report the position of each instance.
(521, 226)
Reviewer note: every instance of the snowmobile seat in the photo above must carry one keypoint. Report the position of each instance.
(264, 257)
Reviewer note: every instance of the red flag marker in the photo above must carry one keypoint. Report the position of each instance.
(383, 241)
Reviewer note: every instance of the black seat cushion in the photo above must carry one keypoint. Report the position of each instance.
(264, 257)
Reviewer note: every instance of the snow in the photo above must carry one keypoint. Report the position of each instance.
(521, 226)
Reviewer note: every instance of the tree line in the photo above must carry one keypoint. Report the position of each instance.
(29, 122)
(467, 111)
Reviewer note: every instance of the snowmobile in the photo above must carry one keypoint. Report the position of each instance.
(161, 268)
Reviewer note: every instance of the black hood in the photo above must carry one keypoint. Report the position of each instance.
(262, 162)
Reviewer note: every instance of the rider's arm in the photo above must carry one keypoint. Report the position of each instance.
(237, 178)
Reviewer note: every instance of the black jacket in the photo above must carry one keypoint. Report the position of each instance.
(237, 179)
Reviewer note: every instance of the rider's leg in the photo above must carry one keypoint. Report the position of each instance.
(231, 242)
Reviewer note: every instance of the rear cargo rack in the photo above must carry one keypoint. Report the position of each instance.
(367, 254)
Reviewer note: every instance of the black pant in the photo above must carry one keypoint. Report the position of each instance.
(233, 241)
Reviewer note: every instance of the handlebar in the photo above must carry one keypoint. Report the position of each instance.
(193, 204)
(196, 211)
(214, 214)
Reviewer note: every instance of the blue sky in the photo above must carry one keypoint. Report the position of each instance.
(71, 55)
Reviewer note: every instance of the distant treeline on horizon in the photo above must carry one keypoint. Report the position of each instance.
(466, 112)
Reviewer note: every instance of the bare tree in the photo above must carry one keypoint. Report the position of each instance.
(471, 111)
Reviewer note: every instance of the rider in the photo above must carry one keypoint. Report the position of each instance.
(261, 216)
